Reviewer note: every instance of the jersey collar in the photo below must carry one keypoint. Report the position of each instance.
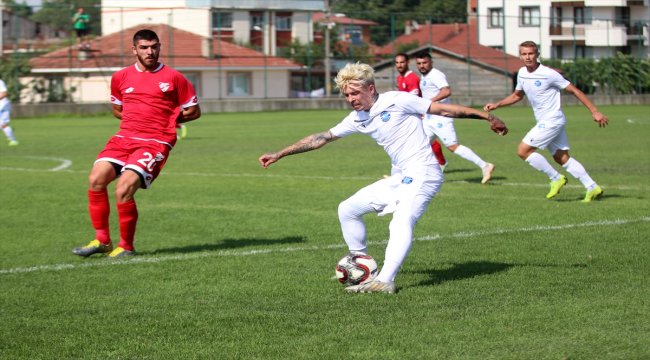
(160, 66)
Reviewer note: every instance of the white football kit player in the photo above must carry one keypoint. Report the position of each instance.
(394, 122)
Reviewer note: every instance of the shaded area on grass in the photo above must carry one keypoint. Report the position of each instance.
(227, 244)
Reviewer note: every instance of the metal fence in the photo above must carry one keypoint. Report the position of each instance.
(469, 49)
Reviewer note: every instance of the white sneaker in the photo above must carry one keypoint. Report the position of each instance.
(374, 286)
(487, 172)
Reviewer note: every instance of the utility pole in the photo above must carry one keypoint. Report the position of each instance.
(328, 86)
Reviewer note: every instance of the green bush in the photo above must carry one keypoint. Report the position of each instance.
(621, 74)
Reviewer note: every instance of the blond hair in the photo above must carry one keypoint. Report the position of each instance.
(358, 73)
(530, 44)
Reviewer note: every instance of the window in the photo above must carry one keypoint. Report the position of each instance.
(580, 52)
(193, 78)
(556, 52)
(221, 20)
(529, 16)
(257, 20)
(283, 21)
(495, 18)
(556, 19)
(353, 34)
(579, 15)
(239, 83)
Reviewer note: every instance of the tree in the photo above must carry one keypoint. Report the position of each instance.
(11, 69)
(58, 14)
(22, 9)
(391, 15)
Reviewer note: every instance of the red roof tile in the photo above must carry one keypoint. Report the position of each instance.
(458, 39)
(319, 17)
(180, 49)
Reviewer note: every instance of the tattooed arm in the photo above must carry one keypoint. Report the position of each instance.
(309, 143)
(459, 111)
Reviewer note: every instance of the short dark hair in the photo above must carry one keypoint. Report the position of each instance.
(423, 54)
(405, 55)
(145, 34)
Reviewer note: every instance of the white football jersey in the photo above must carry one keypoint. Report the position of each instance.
(542, 88)
(431, 83)
(395, 123)
(4, 101)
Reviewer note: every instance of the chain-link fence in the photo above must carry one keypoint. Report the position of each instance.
(230, 54)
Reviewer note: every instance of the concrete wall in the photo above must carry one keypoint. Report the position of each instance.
(218, 106)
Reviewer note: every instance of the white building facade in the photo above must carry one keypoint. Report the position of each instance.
(567, 29)
(265, 24)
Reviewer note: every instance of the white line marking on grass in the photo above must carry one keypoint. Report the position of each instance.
(159, 259)
(316, 177)
(64, 164)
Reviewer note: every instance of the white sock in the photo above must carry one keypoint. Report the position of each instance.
(575, 168)
(399, 244)
(9, 132)
(540, 163)
(467, 154)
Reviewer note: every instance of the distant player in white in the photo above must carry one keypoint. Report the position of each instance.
(542, 86)
(393, 120)
(5, 112)
(435, 87)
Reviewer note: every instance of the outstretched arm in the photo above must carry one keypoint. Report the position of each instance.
(516, 96)
(309, 143)
(457, 111)
(595, 114)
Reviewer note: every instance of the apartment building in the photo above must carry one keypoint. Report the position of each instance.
(567, 29)
(265, 24)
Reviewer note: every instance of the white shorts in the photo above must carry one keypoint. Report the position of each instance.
(441, 127)
(547, 136)
(4, 115)
(408, 191)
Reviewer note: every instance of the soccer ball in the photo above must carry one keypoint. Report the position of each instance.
(354, 269)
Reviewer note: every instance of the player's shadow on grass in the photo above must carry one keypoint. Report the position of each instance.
(475, 180)
(603, 197)
(229, 244)
(461, 271)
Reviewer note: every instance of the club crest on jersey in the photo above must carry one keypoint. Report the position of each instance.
(385, 116)
(407, 180)
(163, 86)
(538, 83)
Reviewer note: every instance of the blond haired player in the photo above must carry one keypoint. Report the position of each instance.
(393, 120)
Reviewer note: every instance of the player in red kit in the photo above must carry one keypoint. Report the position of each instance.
(150, 99)
(408, 81)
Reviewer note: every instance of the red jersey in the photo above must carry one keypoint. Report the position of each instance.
(409, 83)
(151, 102)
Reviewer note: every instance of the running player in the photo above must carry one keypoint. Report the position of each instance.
(542, 86)
(435, 87)
(5, 114)
(408, 81)
(150, 99)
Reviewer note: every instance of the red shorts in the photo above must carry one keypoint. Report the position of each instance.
(145, 157)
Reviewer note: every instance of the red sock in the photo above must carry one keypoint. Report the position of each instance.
(99, 209)
(128, 215)
(437, 151)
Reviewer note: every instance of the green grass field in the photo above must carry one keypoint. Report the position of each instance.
(236, 262)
